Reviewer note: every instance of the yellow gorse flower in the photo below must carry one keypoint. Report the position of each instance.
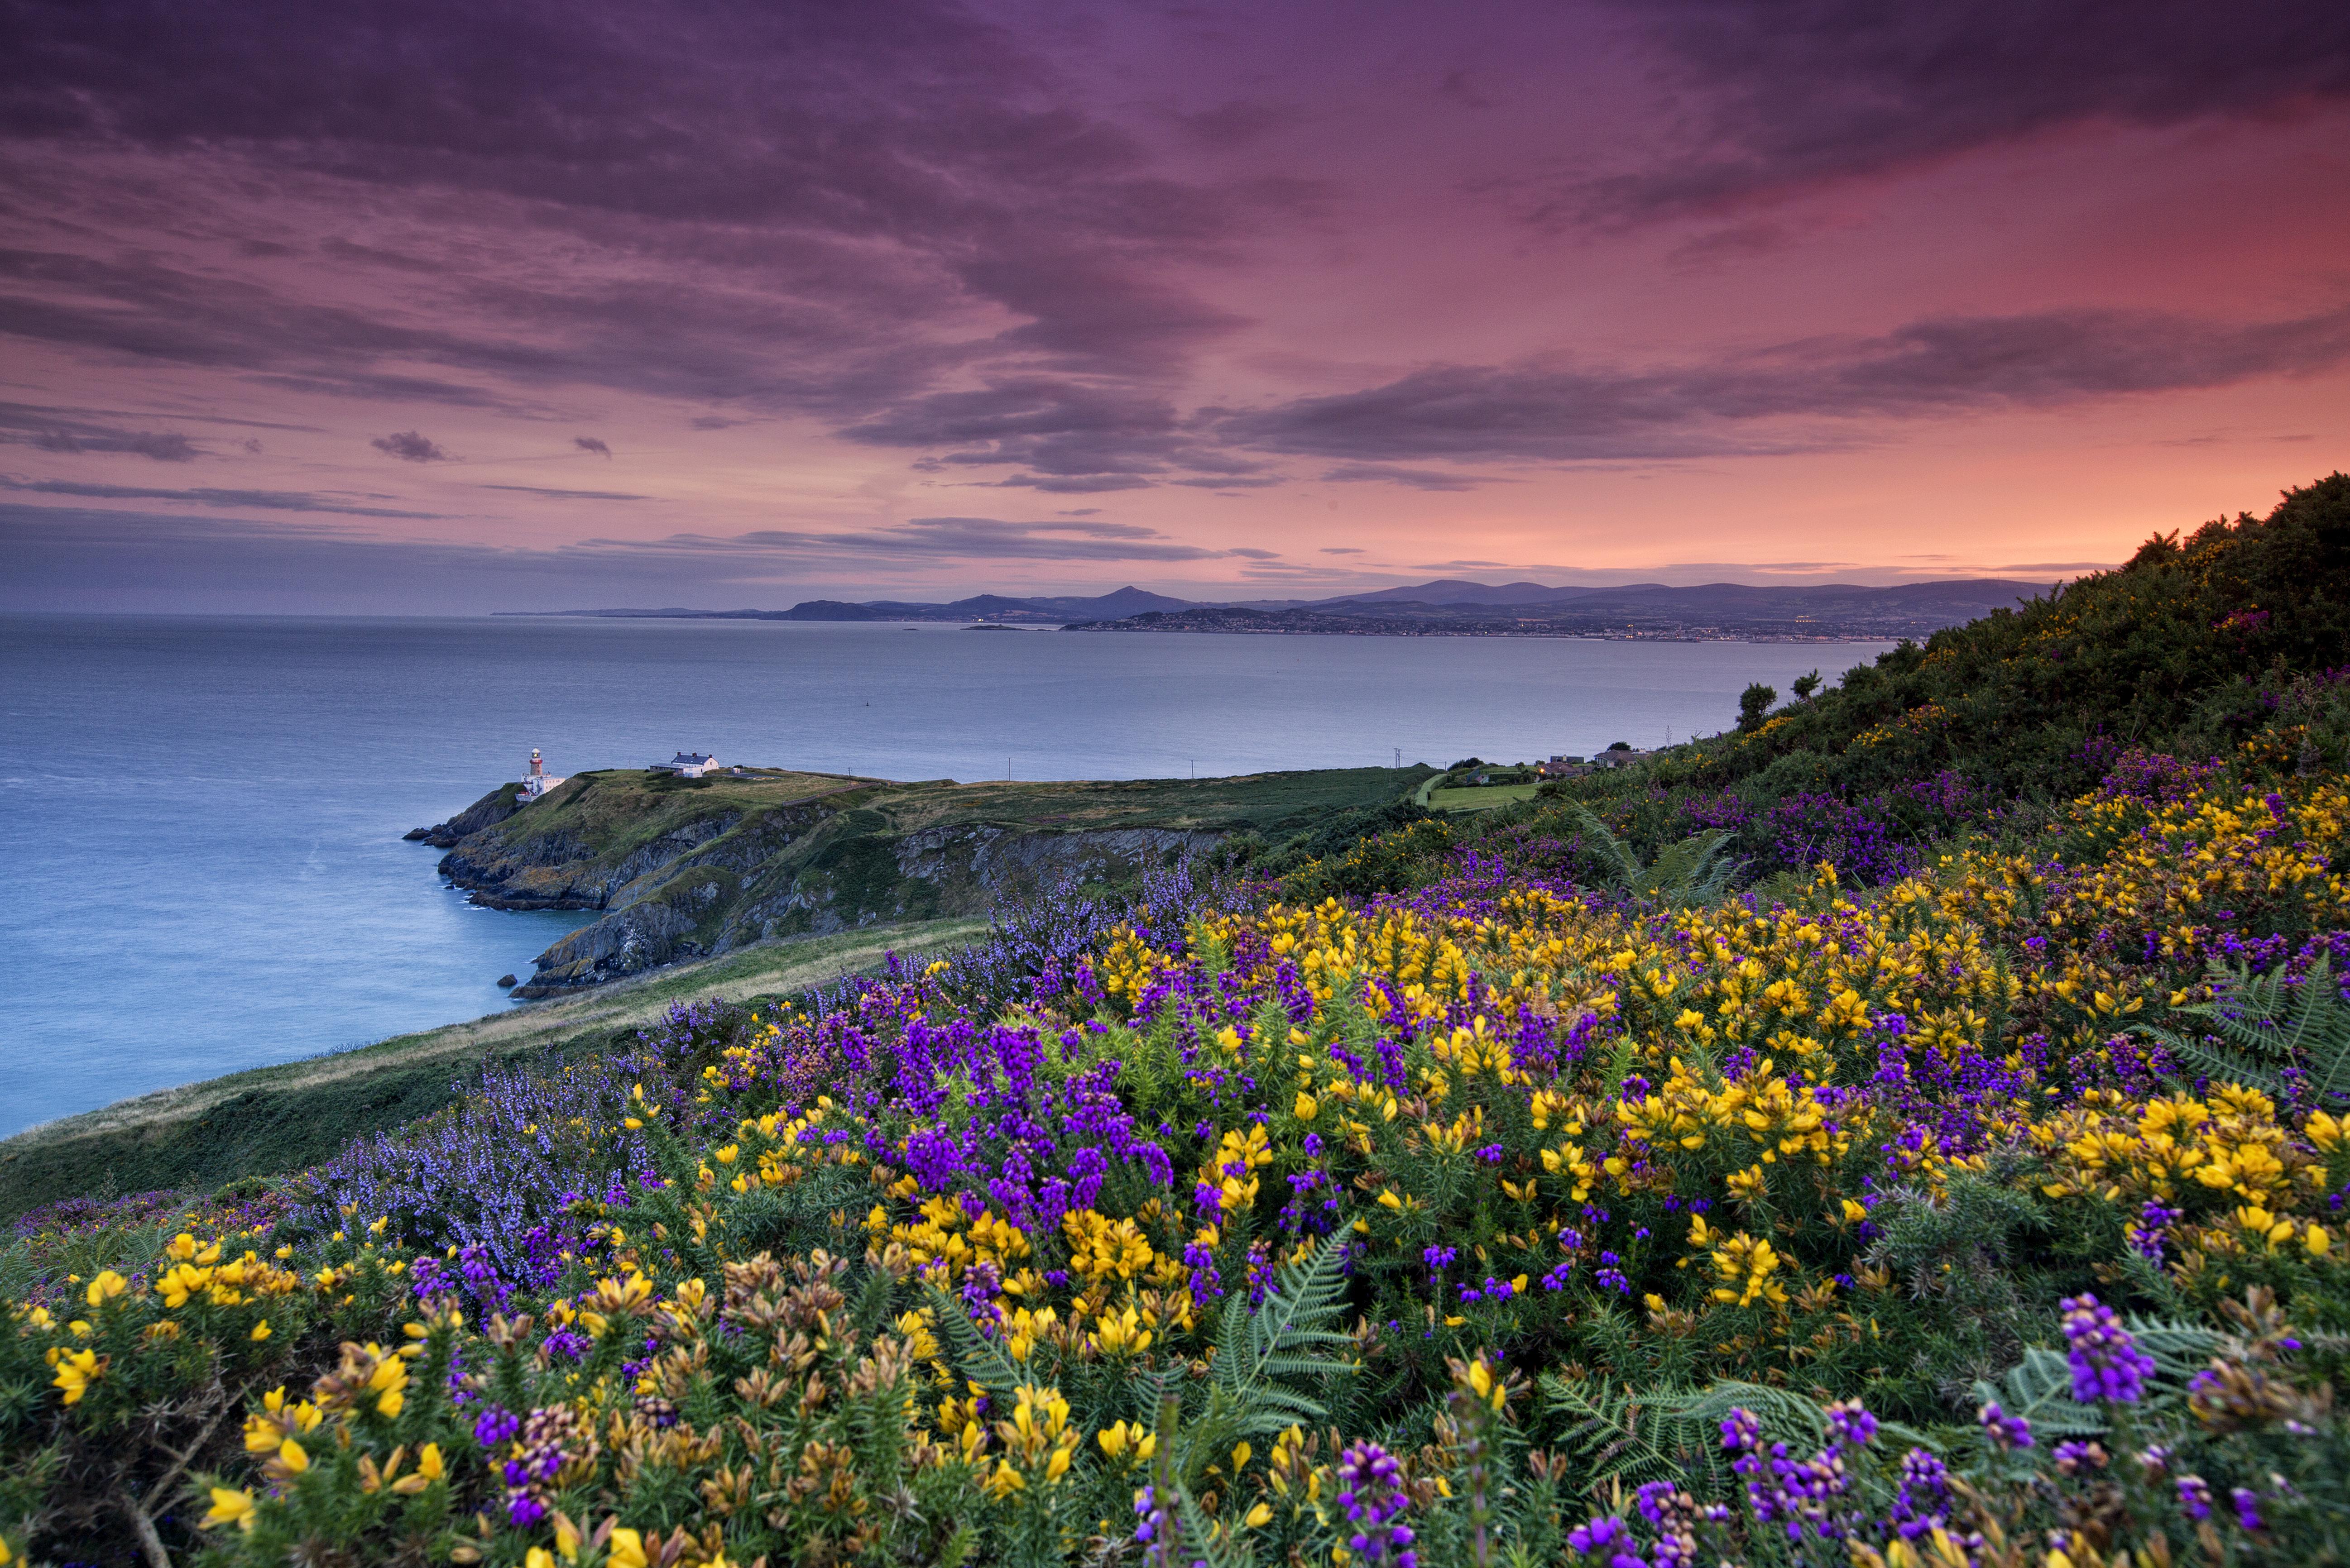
(1746, 1266)
(77, 1370)
(229, 1507)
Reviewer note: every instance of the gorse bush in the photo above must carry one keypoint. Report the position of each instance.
(1441, 1203)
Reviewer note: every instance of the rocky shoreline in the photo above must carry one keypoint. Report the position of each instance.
(684, 873)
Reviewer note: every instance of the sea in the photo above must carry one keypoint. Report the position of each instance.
(204, 866)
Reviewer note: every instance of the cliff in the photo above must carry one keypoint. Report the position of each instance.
(690, 869)
(487, 812)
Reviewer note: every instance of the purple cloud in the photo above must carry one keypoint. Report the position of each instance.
(261, 499)
(1786, 95)
(1791, 397)
(410, 447)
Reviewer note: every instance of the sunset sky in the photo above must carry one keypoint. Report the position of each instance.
(449, 306)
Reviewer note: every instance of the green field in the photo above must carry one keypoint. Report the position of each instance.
(1479, 799)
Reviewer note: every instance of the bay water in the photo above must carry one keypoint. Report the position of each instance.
(203, 863)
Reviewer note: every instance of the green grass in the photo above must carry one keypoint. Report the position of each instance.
(282, 1118)
(1479, 799)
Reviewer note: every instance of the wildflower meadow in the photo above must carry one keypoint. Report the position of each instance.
(1975, 1202)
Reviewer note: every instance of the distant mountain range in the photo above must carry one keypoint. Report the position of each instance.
(1031, 611)
(1451, 607)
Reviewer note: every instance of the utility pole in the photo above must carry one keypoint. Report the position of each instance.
(1398, 752)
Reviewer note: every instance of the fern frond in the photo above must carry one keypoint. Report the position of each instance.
(2180, 1350)
(1624, 867)
(1683, 873)
(981, 1358)
(1613, 1435)
(1278, 1341)
(2256, 1028)
(2040, 1390)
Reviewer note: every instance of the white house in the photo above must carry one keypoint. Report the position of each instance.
(688, 764)
(537, 781)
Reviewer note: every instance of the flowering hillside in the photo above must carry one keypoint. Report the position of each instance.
(1494, 1221)
(2194, 648)
(1980, 1211)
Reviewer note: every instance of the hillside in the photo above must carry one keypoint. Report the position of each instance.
(1992, 1215)
(2189, 647)
(695, 868)
(2235, 636)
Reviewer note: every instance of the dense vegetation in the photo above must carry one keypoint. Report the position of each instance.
(2192, 649)
(1541, 1188)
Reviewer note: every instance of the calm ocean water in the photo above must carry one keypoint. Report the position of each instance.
(205, 865)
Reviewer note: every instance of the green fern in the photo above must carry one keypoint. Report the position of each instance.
(1672, 1433)
(1675, 1433)
(2040, 1387)
(2040, 1390)
(1610, 1435)
(2180, 1350)
(1683, 874)
(2258, 1027)
(1259, 1354)
(981, 1359)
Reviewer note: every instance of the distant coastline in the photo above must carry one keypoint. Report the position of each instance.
(1638, 612)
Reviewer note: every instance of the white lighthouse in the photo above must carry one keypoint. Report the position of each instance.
(537, 781)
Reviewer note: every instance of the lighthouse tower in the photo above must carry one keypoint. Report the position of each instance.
(537, 781)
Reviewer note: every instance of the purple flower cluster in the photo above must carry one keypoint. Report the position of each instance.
(1370, 1491)
(1800, 1496)
(2005, 1431)
(551, 1440)
(1923, 1503)
(1675, 1515)
(1609, 1536)
(1157, 1521)
(2105, 1360)
(497, 1175)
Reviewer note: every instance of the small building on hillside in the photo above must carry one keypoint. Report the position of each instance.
(688, 764)
(1612, 759)
(1562, 767)
(536, 780)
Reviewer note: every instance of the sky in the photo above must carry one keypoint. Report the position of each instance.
(434, 307)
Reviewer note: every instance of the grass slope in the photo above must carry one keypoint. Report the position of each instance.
(281, 1118)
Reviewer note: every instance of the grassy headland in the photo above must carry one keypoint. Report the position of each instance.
(694, 867)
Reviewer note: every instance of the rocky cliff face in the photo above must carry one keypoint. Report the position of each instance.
(710, 902)
(487, 812)
(682, 875)
(692, 868)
